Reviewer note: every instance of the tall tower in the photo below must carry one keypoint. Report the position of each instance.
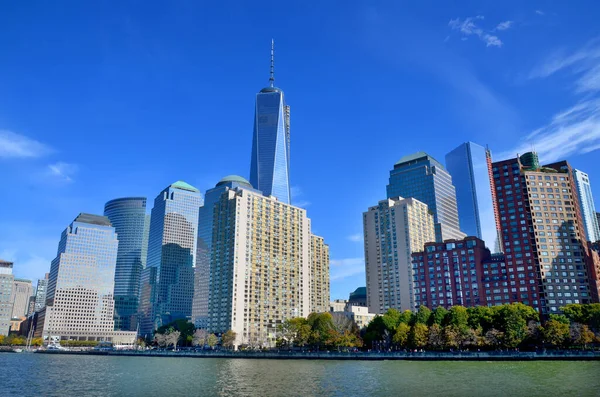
(128, 217)
(586, 203)
(467, 164)
(421, 176)
(6, 285)
(270, 159)
(167, 282)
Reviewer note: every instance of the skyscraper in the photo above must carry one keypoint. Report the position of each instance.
(586, 203)
(21, 291)
(467, 164)
(422, 177)
(167, 285)
(547, 260)
(205, 229)
(40, 293)
(128, 217)
(6, 305)
(270, 159)
(79, 298)
(261, 266)
(393, 230)
(319, 275)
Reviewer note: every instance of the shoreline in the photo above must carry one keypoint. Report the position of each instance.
(396, 356)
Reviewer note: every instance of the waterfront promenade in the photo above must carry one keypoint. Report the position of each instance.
(548, 355)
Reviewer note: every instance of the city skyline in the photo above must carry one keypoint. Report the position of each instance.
(52, 162)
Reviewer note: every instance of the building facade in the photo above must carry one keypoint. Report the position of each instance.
(319, 275)
(586, 204)
(358, 297)
(21, 292)
(167, 282)
(422, 177)
(270, 159)
(260, 268)
(467, 164)
(40, 293)
(6, 305)
(204, 245)
(450, 273)
(79, 298)
(547, 261)
(393, 230)
(128, 217)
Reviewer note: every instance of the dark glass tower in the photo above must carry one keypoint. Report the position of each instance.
(270, 160)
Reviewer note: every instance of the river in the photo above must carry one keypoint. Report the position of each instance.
(73, 376)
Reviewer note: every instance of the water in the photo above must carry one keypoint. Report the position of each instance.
(63, 375)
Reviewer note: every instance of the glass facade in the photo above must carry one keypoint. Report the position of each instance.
(270, 159)
(128, 217)
(467, 164)
(586, 203)
(6, 285)
(40, 293)
(168, 280)
(422, 177)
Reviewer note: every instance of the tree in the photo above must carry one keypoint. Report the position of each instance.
(581, 335)
(436, 339)
(320, 325)
(185, 327)
(160, 339)
(512, 320)
(423, 315)
(228, 339)
(451, 335)
(391, 319)
(481, 317)
(555, 332)
(212, 340)
(493, 338)
(458, 316)
(341, 322)
(438, 316)
(35, 342)
(419, 335)
(199, 338)
(400, 337)
(172, 338)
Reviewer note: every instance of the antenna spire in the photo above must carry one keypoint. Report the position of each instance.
(272, 75)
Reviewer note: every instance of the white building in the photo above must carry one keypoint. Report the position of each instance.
(586, 203)
(359, 314)
(6, 285)
(393, 230)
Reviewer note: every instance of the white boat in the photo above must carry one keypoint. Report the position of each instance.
(18, 350)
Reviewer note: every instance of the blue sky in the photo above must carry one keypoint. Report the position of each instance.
(99, 101)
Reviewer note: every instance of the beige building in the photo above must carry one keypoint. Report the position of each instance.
(319, 275)
(393, 230)
(21, 292)
(338, 305)
(261, 267)
(359, 314)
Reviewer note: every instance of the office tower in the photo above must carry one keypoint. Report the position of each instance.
(598, 219)
(79, 297)
(393, 230)
(21, 291)
(128, 217)
(260, 270)
(422, 177)
(319, 275)
(548, 262)
(358, 297)
(30, 306)
(586, 203)
(451, 273)
(205, 227)
(167, 286)
(6, 305)
(40, 293)
(270, 159)
(467, 164)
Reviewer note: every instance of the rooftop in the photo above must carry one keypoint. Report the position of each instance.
(414, 157)
(270, 89)
(184, 186)
(234, 178)
(93, 219)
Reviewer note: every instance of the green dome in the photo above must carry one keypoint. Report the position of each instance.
(236, 179)
(184, 186)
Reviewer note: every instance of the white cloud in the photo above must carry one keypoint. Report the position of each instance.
(540, 12)
(504, 25)
(297, 197)
(468, 27)
(63, 171)
(576, 130)
(13, 145)
(342, 268)
(583, 63)
(357, 238)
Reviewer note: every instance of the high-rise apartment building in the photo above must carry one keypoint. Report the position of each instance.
(167, 282)
(586, 204)
(128, 217)
(547, 259)
(21, 291)
(393, 230)
(40, 293)
(467, 164)
(6, 305)
(79, 298)
(205, 235)
(422, 177)
(450, 273)
(261, 266)
(270, 159)
(319, 275)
